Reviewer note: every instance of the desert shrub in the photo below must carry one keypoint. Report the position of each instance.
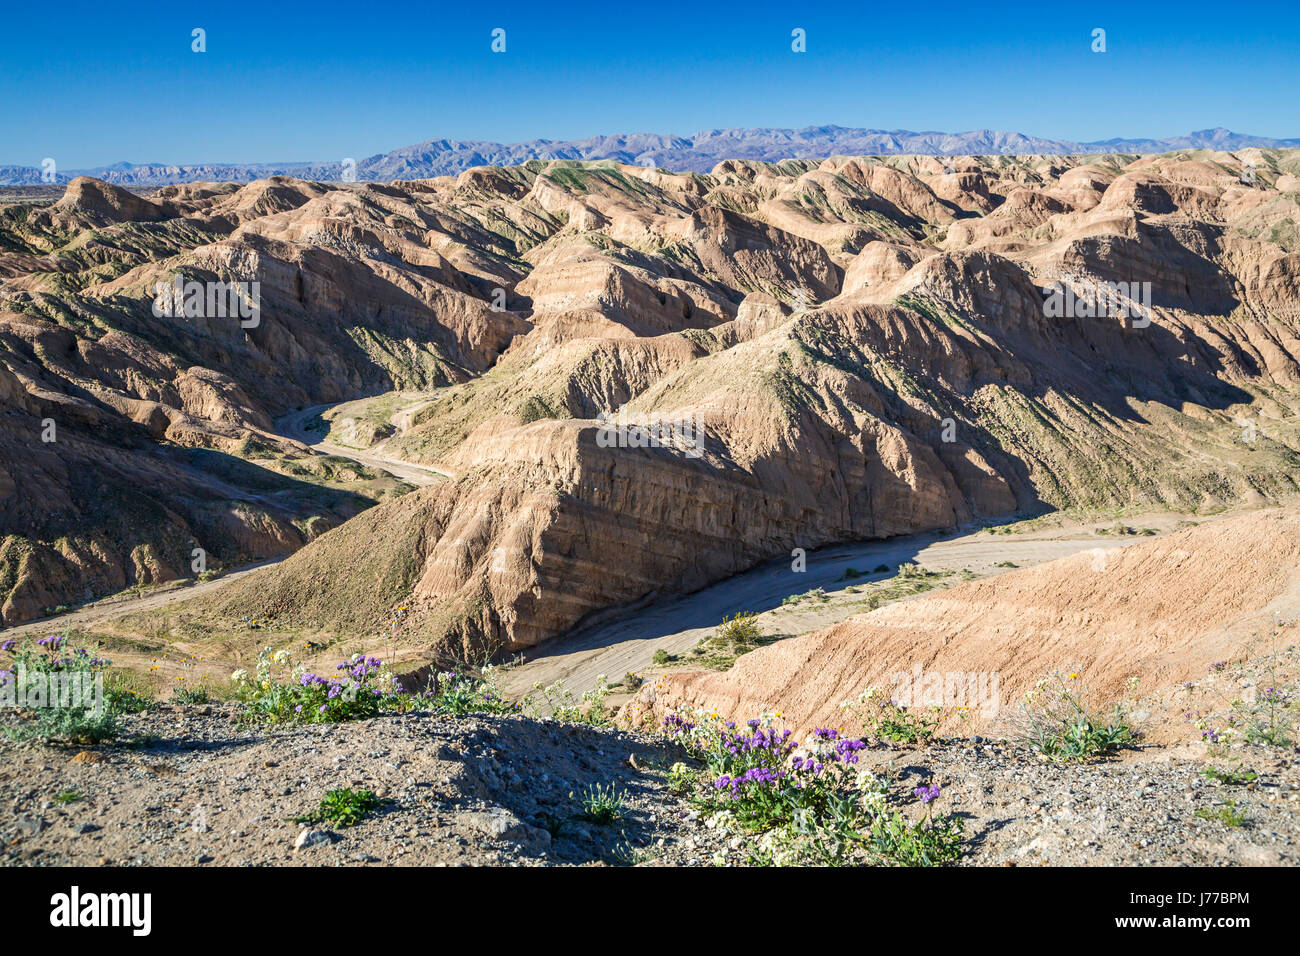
(60, 686)
(535, 409)
(661, 657)
(1060, 722)
(739, 632)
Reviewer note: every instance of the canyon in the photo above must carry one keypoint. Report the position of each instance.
(866, 344)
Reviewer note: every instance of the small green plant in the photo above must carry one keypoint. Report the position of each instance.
(1227, 813)
(128, 692)
(343, 808)
(926, 842)
(67, 796)
(603, 805)
(1230, 777)
(1062, 724)
(192, 696)
(661, 657)
(680, 778)
(892, 720)
(626, 854)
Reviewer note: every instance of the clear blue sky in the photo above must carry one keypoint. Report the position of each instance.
(94, 83)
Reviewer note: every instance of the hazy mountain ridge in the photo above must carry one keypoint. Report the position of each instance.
(699, 152)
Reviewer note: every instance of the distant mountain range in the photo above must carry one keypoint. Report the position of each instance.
(697, 153)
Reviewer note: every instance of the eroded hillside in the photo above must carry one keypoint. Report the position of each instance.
(862, 347)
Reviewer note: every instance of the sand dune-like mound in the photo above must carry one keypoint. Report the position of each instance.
(1162, 612)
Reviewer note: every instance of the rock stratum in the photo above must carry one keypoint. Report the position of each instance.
(863, 346)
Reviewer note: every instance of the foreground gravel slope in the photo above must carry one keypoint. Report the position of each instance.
(196, 788)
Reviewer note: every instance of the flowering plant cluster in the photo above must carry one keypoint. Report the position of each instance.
(1249, 706)
(282, 691)
(809, 802)
(890, 719)
(1059, 720)
(464, 692)
(59, 687)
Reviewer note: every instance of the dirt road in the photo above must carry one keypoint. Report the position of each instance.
(295, 426)
(127, 602)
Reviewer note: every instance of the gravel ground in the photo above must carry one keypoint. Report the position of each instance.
(193, 787)
(197, 788)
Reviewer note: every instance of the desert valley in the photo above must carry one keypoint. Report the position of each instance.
(980, 475)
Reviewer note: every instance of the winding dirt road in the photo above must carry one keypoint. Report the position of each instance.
(295, 426)
(125, 603)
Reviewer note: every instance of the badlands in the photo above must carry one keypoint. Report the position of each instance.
(568, 415)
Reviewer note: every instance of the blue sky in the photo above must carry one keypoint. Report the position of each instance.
(325, 80)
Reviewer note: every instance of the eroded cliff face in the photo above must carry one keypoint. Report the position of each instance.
(861, 347)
